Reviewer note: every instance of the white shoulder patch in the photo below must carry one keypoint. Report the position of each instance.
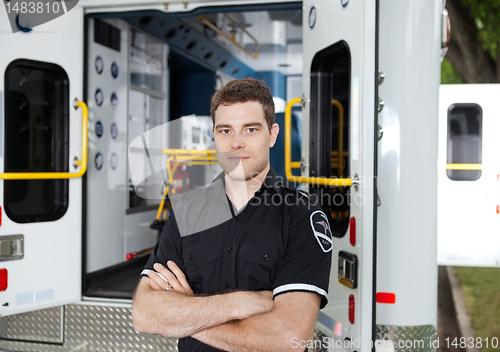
(322, 231)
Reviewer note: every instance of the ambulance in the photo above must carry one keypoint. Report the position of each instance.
(86, 91)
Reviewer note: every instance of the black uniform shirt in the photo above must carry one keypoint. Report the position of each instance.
(279, 241)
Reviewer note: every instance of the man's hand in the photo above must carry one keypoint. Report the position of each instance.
(175, 279)
(252, 302)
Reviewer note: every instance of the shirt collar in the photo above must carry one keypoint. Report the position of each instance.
(276, 182)
(218, 185)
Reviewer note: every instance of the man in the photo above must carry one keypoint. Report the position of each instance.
(254, 278)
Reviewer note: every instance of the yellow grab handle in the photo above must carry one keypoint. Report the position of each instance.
(464, 166)
(162, 204)
(333, 182)
(59, 175)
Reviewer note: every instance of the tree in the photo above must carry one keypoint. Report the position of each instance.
(474, 49)
(448, 73)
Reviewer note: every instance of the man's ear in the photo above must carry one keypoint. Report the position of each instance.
(275, 129)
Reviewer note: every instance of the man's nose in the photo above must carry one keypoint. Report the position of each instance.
(237, 142)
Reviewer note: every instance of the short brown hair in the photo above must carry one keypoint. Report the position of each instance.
(241, 91)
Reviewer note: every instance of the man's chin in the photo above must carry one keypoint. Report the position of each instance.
(239, 176)
(238, 173)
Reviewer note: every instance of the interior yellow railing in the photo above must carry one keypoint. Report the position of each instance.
(178, 157)
(339, 165)
(59, 175)
(336, 164)
(289, 164)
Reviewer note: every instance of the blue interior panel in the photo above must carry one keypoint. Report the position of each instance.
(274, 80)
(278, 151)
(191, 87)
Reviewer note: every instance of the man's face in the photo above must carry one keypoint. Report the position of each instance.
(242, 139)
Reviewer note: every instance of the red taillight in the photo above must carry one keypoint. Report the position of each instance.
(446, 29)
(351, 309)
(352, 231)
(498, 209)
(3, 279)
(385, 297)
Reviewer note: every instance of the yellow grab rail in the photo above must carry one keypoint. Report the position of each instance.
(59, 175)
(340, 136)
(210, 154)
(186, 157)
(170, 182)
(333, 182)
(464, 166)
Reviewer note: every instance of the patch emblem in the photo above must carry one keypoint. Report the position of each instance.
(321, 230)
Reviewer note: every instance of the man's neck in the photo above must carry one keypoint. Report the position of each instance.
(240, 192)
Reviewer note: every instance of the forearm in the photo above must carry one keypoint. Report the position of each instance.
(176, 315)
(172, 314)
(265, 332)
(291, 320)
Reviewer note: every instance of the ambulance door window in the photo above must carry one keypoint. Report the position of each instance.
(330, 102)
(464, 151)
(36, 140)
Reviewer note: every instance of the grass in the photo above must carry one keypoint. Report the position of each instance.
(481, 289)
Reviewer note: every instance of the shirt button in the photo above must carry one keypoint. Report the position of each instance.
(226, 286)
(266, 257)
(229, 249)
(190, 256)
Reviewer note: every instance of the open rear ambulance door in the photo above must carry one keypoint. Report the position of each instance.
(340, 63)
(41, 137)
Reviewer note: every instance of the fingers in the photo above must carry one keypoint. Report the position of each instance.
(157, 282)
(180, 276)
(172, 280)
(154, 285)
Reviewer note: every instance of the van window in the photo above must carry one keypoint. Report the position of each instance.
(464, 151)
(36, 140)
(329, 133)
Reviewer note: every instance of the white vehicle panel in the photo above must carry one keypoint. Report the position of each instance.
(407, 178)
(468, 210)
(49, 274)
(355, 24)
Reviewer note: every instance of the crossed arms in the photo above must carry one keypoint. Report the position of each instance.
(236, 321)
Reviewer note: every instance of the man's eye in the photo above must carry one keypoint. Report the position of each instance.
(251, 129)
(226, 131)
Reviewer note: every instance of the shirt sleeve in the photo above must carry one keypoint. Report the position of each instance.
(169, 247)
(308, 256)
